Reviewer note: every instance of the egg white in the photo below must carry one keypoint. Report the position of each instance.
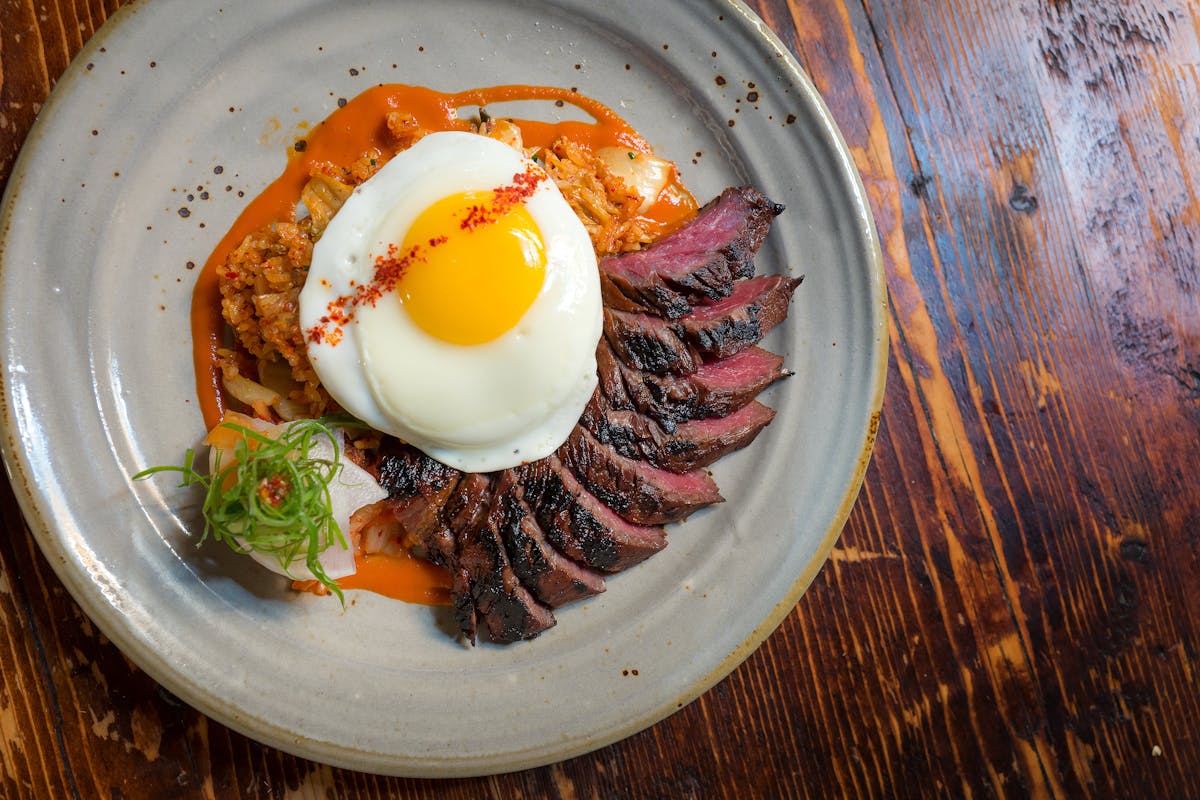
(474, 407)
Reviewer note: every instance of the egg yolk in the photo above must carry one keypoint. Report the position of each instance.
(478, 266)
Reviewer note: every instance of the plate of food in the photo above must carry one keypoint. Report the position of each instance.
(430, 389)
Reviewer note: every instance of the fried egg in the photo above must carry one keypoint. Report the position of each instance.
(454, 302)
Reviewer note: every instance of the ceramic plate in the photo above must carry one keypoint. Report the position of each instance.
(175, 114)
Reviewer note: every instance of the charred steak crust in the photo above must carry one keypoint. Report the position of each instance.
(417, 487)
(404, 471)
(637, 490)
(662, 347)
(648, 343)
(552, 578)
(508, 609)
(567, 526)
(716, 389)
(461, 510)
(689, 446)
(696, 264)
(613, 377)
(580, 526)
(466, 506)
(756, 306)
(438, 545)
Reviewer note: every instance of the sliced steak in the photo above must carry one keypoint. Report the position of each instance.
(662, 347)
(612, 374)
(648, 343)
(637, 490)
(508, 609)
(579, 525)
(691, 445)
(463, 508)
(404, 471)
(716, 389)
(417, 488)
(740, 320)
(552, 578)
(697, 263)
(420, 518)
(441, 548)
(467, 505)
(442, 545)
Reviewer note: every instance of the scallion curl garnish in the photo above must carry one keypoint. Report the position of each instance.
(274, 497)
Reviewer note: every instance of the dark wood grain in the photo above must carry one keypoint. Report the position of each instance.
(1011, 609)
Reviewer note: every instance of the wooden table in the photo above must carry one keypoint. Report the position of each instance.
(1013, 608)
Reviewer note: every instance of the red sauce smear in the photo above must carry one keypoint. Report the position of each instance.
(341, 138)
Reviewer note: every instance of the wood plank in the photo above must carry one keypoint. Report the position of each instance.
(1010, 609)
(1007, 329)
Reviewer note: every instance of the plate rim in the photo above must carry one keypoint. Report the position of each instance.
(43, 526)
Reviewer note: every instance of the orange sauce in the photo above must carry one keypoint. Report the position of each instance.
(341, 138)
(401, 577)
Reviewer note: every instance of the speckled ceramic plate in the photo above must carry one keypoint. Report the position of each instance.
(137, 166)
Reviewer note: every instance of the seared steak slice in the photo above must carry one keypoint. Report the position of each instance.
(468, 504)
(510, 612)
(463, 507)
(716, 389)
(440, 543)
(697, 263)
(740, 320)
(648, 343)
(460, 509)
(691, 445)
(404, 471)
(579, 525)
(661, 347)
(417, 487)
(552, 578)
(612, 376)
(440, 547)
(637, 490)
(420, 518)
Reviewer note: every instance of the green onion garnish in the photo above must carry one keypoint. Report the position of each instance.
(274, 498)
